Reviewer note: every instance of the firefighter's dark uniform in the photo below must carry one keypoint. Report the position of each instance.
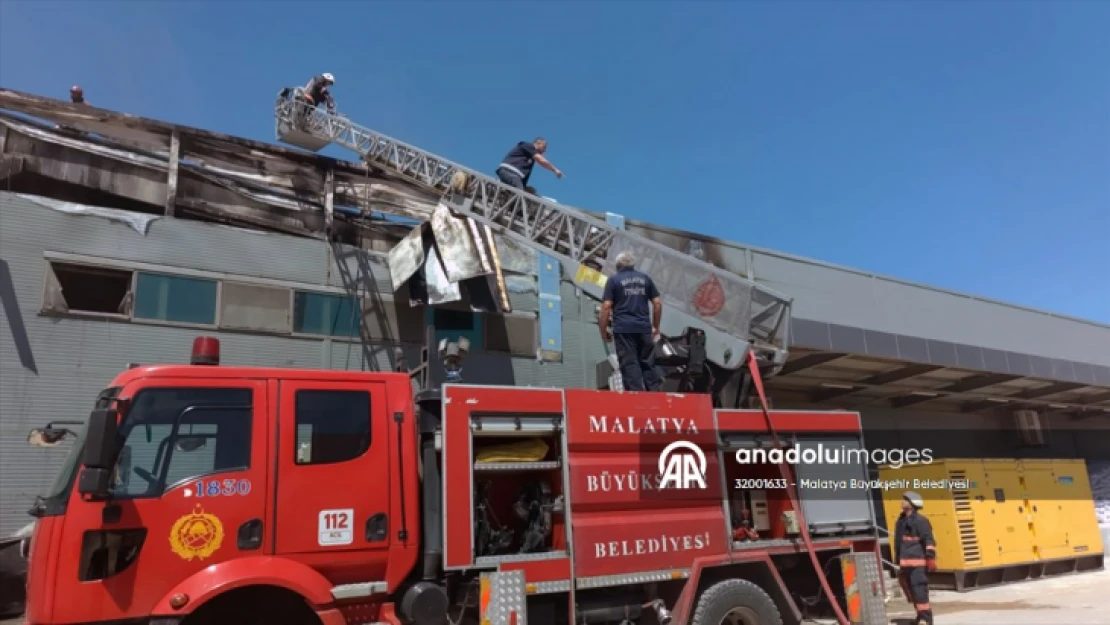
(916, 554)
(317, 93)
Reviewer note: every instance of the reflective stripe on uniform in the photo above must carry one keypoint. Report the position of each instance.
(511, 168)
(911, 563)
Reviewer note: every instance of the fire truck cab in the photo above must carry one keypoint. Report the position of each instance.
(210, 495)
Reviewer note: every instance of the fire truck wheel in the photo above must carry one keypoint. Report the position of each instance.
(255, 606)
(736, 602)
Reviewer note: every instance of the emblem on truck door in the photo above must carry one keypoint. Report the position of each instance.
(196, 535)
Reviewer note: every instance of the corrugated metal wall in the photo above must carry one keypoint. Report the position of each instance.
(71, 360)
(854, 298)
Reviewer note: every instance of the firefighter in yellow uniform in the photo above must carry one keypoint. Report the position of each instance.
(915, 553)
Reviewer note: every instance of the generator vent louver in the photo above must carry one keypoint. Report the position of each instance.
(965, 519)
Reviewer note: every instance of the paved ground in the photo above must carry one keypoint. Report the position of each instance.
(1073, 600)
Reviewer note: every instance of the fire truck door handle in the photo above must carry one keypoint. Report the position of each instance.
(377, 527)
(250, 535)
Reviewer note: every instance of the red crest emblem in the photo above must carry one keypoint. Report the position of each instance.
(709, 298)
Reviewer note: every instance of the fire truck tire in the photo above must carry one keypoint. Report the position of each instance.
(255, 606)
(735, 602)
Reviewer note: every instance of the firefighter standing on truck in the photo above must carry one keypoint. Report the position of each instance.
(632, 302)
(916, 554)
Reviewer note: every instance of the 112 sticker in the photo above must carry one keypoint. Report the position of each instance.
(334, 527)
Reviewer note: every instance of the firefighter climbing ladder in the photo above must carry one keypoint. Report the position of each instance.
(736, 314)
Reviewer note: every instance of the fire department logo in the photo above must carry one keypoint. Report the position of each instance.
(197, 535)
(709, 298)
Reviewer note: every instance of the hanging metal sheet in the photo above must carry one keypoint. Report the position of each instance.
(406, 257)
(440, 289)
(460, 247)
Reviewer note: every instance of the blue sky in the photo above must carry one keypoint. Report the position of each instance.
(963, 145)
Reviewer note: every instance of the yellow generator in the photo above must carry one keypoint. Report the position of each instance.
(1000, 521)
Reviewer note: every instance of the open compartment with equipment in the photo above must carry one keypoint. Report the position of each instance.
(825, 463)
(517, 487)
(760, 511)
(504, 477)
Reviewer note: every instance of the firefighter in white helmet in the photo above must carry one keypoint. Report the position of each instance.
(77, 95)
(915, 551)
(318, 92)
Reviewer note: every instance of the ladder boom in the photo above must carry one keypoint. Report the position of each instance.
(735, 313)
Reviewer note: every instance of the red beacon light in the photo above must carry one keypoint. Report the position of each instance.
(206, 351)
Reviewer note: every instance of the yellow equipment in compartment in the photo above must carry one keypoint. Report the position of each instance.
(999, 513)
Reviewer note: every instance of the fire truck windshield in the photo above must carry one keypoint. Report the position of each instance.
(172, 434)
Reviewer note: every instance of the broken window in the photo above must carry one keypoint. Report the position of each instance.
(452, 324)
(394, 321)
(86, 289)
(515, 333)
(255, 307)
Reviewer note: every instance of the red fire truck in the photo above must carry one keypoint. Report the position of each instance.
(211, 495)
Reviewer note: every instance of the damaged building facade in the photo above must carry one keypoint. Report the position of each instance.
(122, 239)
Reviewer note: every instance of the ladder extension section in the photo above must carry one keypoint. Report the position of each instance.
(735, 313)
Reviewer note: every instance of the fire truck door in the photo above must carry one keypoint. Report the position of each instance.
(333, 472)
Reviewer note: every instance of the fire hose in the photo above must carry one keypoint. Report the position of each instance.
(792, 493)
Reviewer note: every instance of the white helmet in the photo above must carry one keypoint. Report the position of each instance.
(915, 500)
(328, 77)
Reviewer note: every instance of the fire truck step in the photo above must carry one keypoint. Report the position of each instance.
(355, 591)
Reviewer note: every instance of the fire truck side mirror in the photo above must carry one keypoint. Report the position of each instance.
(101, 448)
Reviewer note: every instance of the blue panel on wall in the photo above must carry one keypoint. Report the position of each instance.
(550, 271)
(551, 309)
(551, 326)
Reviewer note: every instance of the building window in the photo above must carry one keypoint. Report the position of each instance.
(332, 426)
(326, 315)
(175, 298)
(257, 308)
(83, 289)
(174, 435)
(452, 323)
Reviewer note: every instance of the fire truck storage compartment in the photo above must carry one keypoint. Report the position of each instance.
(517, 487)
(828, 510)
(756, 497)
(833, 503)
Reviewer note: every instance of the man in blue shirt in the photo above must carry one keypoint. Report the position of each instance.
(516, 168)
(628, 294)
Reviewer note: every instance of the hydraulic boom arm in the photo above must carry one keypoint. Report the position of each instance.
(734, 313)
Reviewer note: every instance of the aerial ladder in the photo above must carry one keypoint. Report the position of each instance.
(714, 318)
(719, 328)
